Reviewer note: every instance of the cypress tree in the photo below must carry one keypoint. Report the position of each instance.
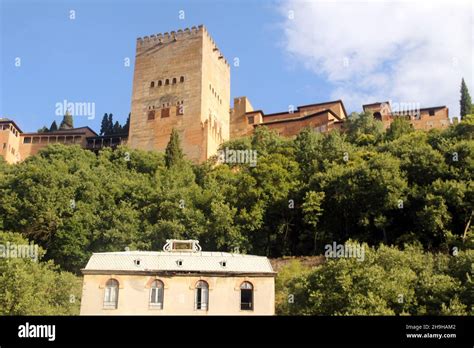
(465, 102)
(53, 127)
(67, 122)
(117, 129)
(173, 153)
(103, 124)
(43, 129)
(110, 125)
(126, 127)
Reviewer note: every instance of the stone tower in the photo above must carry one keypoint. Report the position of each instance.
(182, 81)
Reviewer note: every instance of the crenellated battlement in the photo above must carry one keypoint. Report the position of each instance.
(216, 49)
(168, 37)
(181, 34)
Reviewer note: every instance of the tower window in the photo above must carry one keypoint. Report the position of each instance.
(165, 112)
(167, 82)
(251, 119)
(180, 109)
(152, 84)
(151, 115)
(174, 80)
(181, 79)
(160, 83)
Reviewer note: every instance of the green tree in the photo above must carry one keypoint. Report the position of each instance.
(44, 129)
(398, 127)
(67, 122)
(117, 128)
(104, 125)
(30, 287)
(312, 212)
(110, 125)
(364, 129)
(386, 281)
(53, 127)
(126, 127)
(173, 153)
(465, 101)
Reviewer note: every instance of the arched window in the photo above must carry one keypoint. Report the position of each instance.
(181, 79)
(246, 296)
(160, 83)
(167, 82)
(157, 290)
(378, 116)
(174, 80)
(152, 84)
(111, 294)
(202, 296)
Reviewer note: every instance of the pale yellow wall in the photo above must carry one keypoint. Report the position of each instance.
(168, 60)
(9, 144)
(134, 292)
(238, 121)
(191, 54)
(215, 112)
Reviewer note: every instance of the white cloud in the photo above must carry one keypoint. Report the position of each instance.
(408, 51)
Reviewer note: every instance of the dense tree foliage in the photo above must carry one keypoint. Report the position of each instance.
(388, 281)
(303, 193)
(31, 287)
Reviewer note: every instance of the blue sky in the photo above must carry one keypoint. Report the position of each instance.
(82, 60)
(317, 53)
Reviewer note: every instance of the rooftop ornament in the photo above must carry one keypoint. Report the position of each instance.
(176, 245)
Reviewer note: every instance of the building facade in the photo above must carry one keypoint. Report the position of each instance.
(182, 80)
(16, 145)
(436, 117)
(181, 280)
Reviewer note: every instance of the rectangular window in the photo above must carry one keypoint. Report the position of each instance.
(180, 110)
(156, 298)
(432, 112)
(202, 298)
(251, 119)
(27, 140)
(165, 112)
(246, 299)
(36, 140)
(4, 145)
(151, 115)
(111, 297)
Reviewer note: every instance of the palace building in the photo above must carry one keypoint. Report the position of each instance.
(182, 80)
(421, 118)
(180, 280)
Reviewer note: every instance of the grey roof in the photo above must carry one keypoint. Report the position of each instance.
(203, 261)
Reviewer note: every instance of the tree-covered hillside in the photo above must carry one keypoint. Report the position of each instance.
(394, 188)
